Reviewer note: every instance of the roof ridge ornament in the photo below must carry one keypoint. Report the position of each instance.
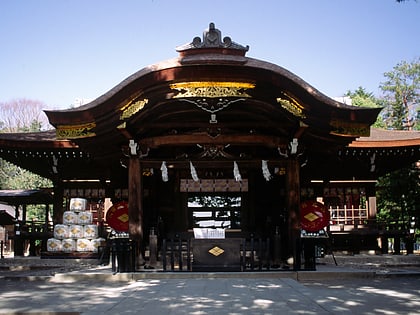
(212, 38)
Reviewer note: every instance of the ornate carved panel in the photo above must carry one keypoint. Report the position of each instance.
(75, 131)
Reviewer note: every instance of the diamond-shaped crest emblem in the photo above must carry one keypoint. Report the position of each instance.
(123, 218)
(216, 251)
(311, 217)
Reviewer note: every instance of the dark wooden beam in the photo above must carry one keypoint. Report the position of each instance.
(212, 164)
(180, 140)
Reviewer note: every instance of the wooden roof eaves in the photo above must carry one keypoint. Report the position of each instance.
(381, 138)
(24, 197)
(385, 143)
(86, 112)
(356, 113)
(41, 140)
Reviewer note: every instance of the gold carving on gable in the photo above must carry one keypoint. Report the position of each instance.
(212, 89)
(292, 106)
(132, 108)
(123, 125)
(75, 131)
(345, 128)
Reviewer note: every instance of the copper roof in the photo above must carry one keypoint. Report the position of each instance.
(388, 138)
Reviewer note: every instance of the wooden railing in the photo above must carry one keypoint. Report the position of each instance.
(348, 216)
(374, 225)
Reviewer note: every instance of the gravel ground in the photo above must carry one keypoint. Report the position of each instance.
(35, 266)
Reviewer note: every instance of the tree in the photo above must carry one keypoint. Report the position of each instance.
(362, 98)
(399, 191)
(402, 95)
(22, 115)
(399, 194)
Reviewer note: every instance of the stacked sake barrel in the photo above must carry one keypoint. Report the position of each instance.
(77, 233)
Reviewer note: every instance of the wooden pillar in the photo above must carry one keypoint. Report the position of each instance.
(47, 215)
(135, 207)
(24, 213)
(384, 245)
(58, 209)
(397, 245)
(18, 242)
(293, 207)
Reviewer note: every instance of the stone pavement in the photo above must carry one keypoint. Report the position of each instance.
(345, 289)
(399, 295)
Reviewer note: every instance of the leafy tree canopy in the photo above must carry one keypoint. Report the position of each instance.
(401, 90)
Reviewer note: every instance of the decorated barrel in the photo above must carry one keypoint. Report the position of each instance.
(54, 245)
(84, 217)
(83, 245)
(78, 204)
(70, 217)
(76, 231)
(68, 245)
(96, 243)
(90, 231)
(61, 231)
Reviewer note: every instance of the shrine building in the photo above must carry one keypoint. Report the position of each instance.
(216, 140)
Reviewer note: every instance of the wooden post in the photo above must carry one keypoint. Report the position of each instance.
(58, 209)
(18, 243)
(293, 206)
(24, 219)
(135, 207)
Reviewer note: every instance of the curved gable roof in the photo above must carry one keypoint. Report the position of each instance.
(212, 90)
(210, 101)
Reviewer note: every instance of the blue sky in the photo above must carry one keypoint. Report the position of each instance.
(56, 51)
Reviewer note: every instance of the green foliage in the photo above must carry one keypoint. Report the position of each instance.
(362, 98)
(398, 195)
(401, 90)
(14, 177)
(417, 125)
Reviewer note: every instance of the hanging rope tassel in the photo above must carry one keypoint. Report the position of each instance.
(236, 173)
(194, 173)
(164, 170)
(265, 170)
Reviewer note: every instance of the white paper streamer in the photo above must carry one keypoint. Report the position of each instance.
(265, 170)
(193, 173)
(236, 173)
(164, 170)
